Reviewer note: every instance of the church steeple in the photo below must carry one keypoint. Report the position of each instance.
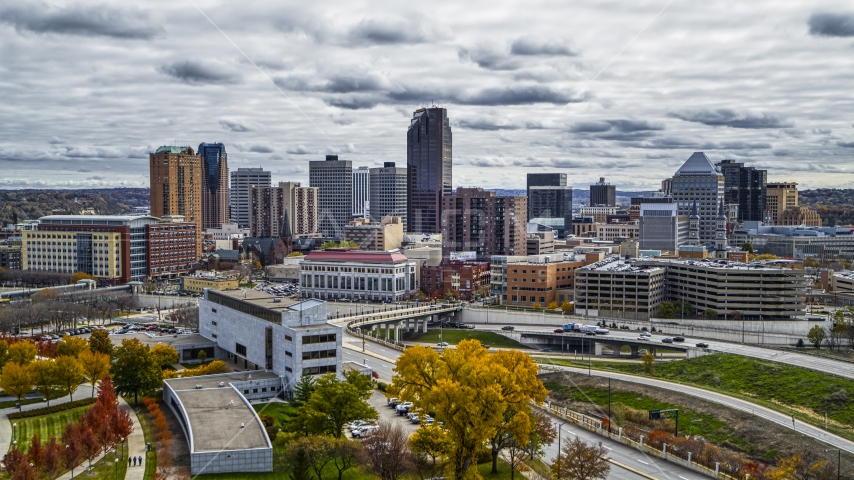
(720, 232)
(694, 227)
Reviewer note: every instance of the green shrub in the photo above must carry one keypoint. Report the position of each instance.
(272, 432)
(267, 420)
(381, 386)
(52, 409)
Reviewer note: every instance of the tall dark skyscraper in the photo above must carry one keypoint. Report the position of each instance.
(548, 202)
(214, 184)
(745, 187)
(428, 163)
(603, 194)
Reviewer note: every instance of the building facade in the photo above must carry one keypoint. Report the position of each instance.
(388, 192)
(428, 168)
(475, 220)
(355, 275)
(382, 236)
(333, 179)
(780, 196)
(660, 227)
(549, 202)
(113, 249)
(603, 194)
(241, 180)
(465, 280)
(361, 192)
(537, 279)
(698, 180)
(267, 211)
(613, 288)
(796, 242)
(798, 216)
(200, 283)
(176, 184)
(215, 208)
(745, 187)
(173, 249)
(610, 232)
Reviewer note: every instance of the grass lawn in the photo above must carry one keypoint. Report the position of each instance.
(283, 412)
(792, 390)
(45, 425)
(356, 474)
(455, 336)
(105, 469)
(148, 435)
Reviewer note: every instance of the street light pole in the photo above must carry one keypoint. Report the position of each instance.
(558, 445)
(838, 460)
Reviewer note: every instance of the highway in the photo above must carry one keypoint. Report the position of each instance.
(381, 358)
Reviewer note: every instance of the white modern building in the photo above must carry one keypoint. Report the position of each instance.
(357, 274)
(228, 231)
(661, 227)
(241, 181)
(699, 181)
(361, 192)
(269, 333)
(388, 192)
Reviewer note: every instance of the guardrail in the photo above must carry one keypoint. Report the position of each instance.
(594, 425)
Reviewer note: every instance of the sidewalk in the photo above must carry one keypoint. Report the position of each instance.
(84, 391)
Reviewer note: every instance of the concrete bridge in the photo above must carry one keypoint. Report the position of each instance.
(397, 320)
(608, 345)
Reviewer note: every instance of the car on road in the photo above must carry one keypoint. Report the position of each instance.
(547, 349)
(558, 330)
(666, 340)
(443, 344)
(678, 339)
(643, 338)
(673, 323)
(508, 328)
(703, 345)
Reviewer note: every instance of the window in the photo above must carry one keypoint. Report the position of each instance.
(213, 335)
(309, 339)
(318, 354)
(212, 322)
(214, 311)
(289, 338)
(319, 370)
(240, 349)
(289, 369)
(288, 354)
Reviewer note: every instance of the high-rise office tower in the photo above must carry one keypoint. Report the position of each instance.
(214, 184)
(176, 184)
(478, 221)
(361, 192)
(745, 187)
(780, 196)
(241, 180)
(334, 181)
(699, 181)
(549, 202)
(388, 192)
(536, 208)
(300, 203)
(603, 194)
(428, 169)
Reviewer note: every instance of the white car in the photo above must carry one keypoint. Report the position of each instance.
(365, 431)
(443, 344)
(643, 339)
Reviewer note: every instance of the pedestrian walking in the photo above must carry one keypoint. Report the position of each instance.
(128, 461)
(140, 461)
(134, 461)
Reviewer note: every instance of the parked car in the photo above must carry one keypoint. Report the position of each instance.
(666, 340)
(391, 401)
(678, 339)
(365, 431)
(508, 328)
(403, 408)
(703, 345)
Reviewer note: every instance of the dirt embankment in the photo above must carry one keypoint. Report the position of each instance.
(752, 437)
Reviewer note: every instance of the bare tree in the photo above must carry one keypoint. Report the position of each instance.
(387, 451)
(580, 461)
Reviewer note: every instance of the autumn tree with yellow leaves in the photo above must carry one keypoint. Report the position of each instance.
(480, 396)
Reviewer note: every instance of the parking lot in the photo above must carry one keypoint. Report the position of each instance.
(388, 414)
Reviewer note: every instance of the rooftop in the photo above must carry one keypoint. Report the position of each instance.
(173, 150)
(216, 411)
(343, 255)
(617, 265)
(93, 219)
(698, 164)
(722, 264)
(152, 339)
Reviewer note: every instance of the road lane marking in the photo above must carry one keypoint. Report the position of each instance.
(641, 461)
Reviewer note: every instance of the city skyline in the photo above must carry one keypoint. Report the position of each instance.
(577, 90)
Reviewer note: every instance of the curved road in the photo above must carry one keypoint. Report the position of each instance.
(381, 359)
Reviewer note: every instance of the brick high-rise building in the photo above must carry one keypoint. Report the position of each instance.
(301, 205)
(474, 220)
(176, 184)
(334, 181)
(267, 207)
(241, 180)
(428, 169)
(214, 185)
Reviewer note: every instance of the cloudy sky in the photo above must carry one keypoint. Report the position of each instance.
(625, 90)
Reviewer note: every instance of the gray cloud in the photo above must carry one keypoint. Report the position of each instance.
(390, 30)
(348, 83)
(96, 177)
(236, 125)
(82, 20)
(846, 144)
(489, 57)
(299, 150)
(199, 73)
(353, 102)
(621, 130)
(832, 24)
(517, 95)
(532, 45)
(724, 117)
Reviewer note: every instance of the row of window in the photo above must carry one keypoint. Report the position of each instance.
(319, 354)
(310, 339)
